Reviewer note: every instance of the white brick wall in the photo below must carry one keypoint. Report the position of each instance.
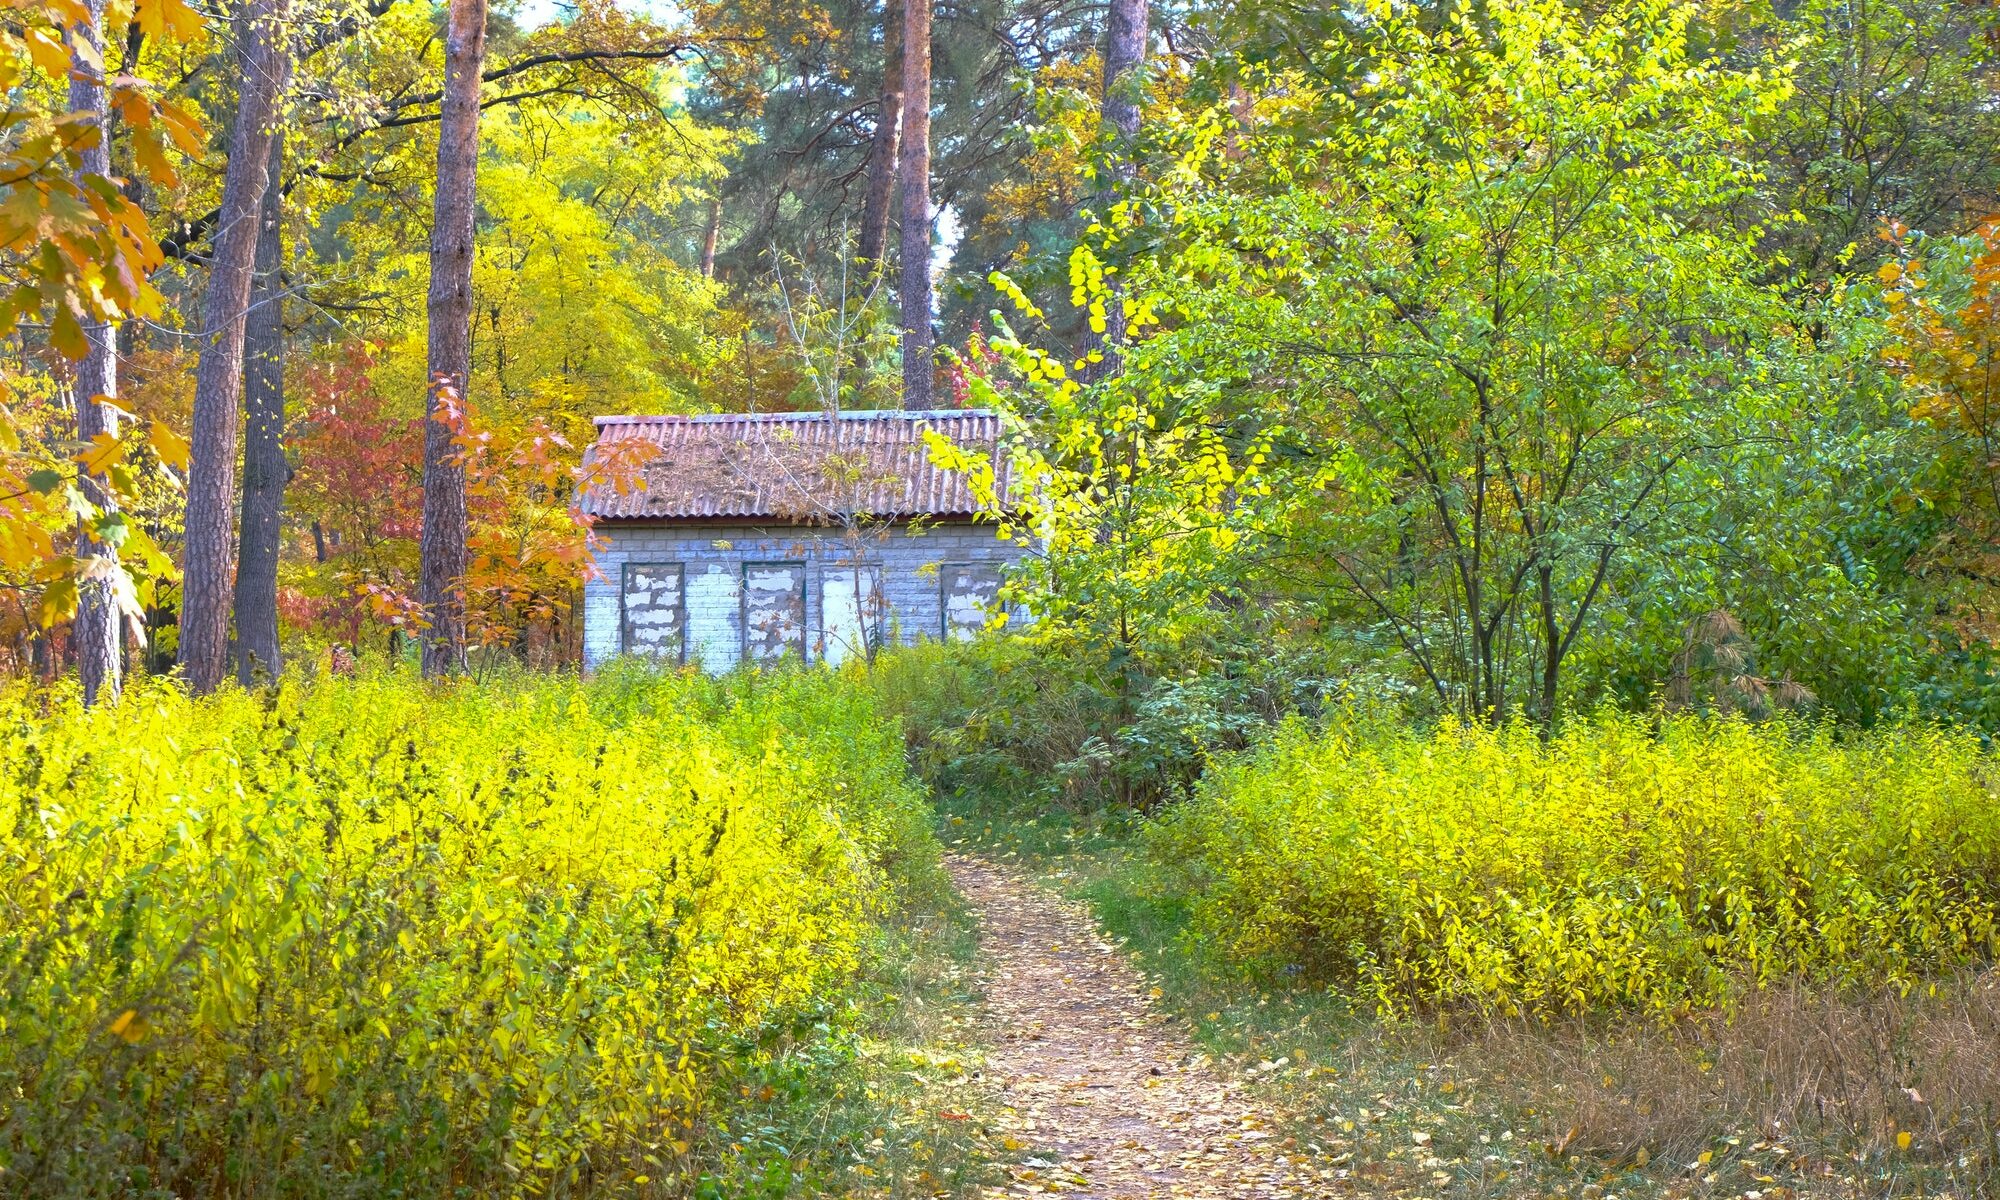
(714, 611)
(713, 556)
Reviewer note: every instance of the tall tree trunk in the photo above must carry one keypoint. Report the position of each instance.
(1124, 55)
(914, 160)
(211, 487)
(97, 618)
(1126, 26)
(442, 582)
(881, 194)
(711, 237)
(265, 470)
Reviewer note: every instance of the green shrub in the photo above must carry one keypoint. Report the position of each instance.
(1017, 725)
(368, 938)
(1628, 864)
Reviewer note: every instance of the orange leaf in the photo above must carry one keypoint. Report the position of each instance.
(181, 125)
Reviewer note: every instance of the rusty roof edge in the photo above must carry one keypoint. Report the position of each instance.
(881, 414)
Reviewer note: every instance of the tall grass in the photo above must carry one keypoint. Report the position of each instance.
(366, 938)
(1629, 864)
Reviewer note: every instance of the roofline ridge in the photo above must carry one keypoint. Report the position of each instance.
(876, 414)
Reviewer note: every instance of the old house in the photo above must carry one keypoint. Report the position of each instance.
(737, 537)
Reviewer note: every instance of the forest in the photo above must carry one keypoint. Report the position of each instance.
(1487, 689)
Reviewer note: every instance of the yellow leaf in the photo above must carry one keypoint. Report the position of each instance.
(104, 452)
(49, 54)
(58, 601)
(172, 448)
(150, 151)
(66, 334)
(156, 17)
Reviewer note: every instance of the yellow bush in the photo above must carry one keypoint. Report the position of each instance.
(1627, 864)
(369, 938)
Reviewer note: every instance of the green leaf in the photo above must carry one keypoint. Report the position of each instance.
(111, 529)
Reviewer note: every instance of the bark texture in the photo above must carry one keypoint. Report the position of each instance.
(441, 586)
(881, 194)
(97, 628)
(914, 161)
(211, 489)
(265, 469)
(1124, 56)
(1126, 26)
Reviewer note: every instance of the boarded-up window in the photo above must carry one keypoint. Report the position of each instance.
(713, 615)
(970, 596)
(774, 611)
(853, 611)
(655, 611)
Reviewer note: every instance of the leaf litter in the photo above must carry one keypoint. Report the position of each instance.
(1100, 1094)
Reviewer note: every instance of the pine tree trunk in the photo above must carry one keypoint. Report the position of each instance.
(711, 237)
(881, 194)
(97, 618)
(1126, 26)
(265, 470)
(442, 582)
(914, 160)
(211, 486)
(1124, 54)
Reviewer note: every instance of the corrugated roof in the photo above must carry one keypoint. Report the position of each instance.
(804, 467)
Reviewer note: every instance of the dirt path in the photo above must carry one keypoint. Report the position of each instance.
(1103, 1096)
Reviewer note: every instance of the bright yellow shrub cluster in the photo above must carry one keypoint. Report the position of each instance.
(1627, 864)
(372, 939)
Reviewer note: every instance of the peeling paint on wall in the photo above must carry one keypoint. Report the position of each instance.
(774, 610)
(971, 595)
(651, 597)
(910, 592)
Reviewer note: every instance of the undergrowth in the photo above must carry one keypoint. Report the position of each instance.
(370, 938)
(1630, 864)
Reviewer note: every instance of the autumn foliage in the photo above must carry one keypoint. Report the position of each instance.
(1944, 316)
(359, 499)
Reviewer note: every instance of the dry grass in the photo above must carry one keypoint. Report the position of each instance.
(1856, 1071)
(1797, 1092)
